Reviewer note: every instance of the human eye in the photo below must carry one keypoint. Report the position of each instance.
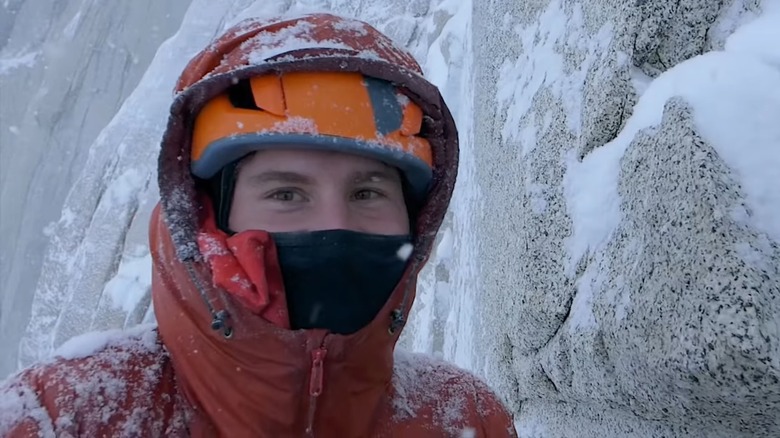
(366, 194)
(285, 195)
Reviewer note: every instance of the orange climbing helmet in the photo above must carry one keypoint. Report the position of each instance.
(341, 111)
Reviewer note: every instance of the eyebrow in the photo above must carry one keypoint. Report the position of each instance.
(282, 177)
(383, 175)
(275, 176)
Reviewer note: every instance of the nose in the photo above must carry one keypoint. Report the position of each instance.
(333, 215)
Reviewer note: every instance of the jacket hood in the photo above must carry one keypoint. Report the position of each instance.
(317, 42)
(244, 375)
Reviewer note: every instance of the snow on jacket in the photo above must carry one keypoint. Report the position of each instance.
(212, 367)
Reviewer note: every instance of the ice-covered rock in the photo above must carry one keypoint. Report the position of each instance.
(630, 255)
(66, 66)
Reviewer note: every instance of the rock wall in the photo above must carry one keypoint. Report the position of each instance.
(661, 319)
(66, 66)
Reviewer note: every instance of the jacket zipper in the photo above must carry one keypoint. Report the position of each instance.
(316, 377)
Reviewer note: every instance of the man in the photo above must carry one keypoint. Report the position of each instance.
(304, 173)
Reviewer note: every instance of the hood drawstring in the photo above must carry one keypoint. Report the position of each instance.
(218, 318)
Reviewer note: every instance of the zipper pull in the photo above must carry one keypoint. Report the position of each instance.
(315, 385)
(317, 363)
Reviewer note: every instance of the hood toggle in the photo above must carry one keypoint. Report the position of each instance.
(218, 318)
(219, 322)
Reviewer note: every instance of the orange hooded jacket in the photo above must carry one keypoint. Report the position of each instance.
(215, 366)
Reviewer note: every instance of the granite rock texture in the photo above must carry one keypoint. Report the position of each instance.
(668, 327)
(66, 66)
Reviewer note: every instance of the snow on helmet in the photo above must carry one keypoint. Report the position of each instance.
(338, 111)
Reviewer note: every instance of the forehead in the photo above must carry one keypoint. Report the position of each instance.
(310, 162)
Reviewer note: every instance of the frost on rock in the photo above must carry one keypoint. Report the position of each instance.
(21, 60)
(107, 209)
(61, 85)
(672, 32)
(644, 300)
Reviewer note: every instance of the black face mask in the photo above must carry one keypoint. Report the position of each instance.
(337, 279)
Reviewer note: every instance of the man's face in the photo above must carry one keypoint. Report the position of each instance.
(306, 190)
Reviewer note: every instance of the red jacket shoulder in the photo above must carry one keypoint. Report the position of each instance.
(101, 384)
(451, 400)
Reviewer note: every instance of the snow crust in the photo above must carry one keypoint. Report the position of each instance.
(543, 64)
(417, 380)
(744, 132)
(442, 321)
(291, 38)
(89, 343)
(17, 61)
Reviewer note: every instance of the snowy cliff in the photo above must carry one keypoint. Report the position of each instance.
(610, 263)
(66, 66)
(629, 261)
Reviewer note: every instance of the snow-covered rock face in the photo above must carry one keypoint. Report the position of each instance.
(630, 264)
(66, 66)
